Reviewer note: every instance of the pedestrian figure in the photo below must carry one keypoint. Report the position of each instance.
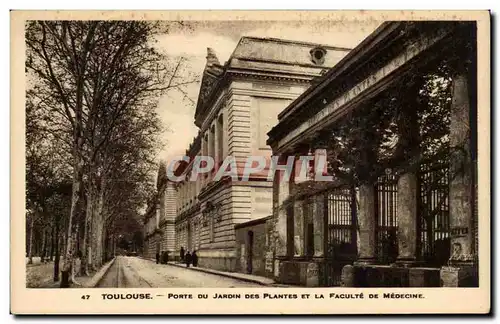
(188, 259)
(182, 253)
(164, 257)
(195, 259)
(157, 257)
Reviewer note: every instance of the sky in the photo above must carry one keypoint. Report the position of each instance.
(189, 40)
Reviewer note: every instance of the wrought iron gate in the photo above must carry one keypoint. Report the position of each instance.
(434, 227)
(341, 246)
(387, 220)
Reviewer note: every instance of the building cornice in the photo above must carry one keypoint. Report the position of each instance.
(166, 221)
(217, 96)
(188, 213)
(373, 54)
(213, 186)
(253, 222)
(289, 41)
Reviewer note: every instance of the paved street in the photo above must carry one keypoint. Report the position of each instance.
(133, 272)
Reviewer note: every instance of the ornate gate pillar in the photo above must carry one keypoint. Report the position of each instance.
(407, 219)
(408, 191)
(461, 183)
(366, 221)
(281, 193)
(463, 271)
(319, 225)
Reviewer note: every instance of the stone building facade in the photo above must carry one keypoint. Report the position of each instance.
(238, 103)
(187, 221)
(159, 219)
(152, 232)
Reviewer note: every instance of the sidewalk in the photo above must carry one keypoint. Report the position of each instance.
(234, 275)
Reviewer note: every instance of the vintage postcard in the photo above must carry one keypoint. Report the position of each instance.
(250, 162)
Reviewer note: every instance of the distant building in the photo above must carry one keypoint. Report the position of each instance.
(151, 230)
(159, 219)
(238, 103)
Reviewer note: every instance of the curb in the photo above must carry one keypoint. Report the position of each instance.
(223, 274)
(100, 274)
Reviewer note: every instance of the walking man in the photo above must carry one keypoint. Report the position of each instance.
(188, 259)
(182, 253)
(195, 259)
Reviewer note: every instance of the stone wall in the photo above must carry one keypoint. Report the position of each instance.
(262, 260)
(387, 276)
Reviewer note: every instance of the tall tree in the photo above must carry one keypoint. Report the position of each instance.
(93, 76)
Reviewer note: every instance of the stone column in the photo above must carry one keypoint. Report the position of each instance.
(461, 188)
(281, 193)
(298, 230)
(366, 221)
(408, 190)
(319, 225)
(407, 219)
(157, 234)
(157, 216)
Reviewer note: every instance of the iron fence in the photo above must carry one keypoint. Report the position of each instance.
(433, 209)
(386, 204)
(341, 245)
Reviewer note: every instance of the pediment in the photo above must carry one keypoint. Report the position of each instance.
(209, 81)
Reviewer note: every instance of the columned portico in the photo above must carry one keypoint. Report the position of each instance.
(408, 213)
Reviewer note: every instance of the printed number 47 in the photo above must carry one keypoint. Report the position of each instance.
(85, 296)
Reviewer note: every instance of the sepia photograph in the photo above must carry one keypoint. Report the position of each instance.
(252, 153)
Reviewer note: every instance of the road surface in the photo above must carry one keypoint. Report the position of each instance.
(134, 272)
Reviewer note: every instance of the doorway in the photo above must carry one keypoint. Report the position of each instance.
(190, 238)
(250, 252)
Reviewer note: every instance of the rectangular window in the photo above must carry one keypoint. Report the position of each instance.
(205, 153)
(212, 141)
(220, 139)
(212, 227)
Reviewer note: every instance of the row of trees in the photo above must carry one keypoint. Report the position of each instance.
(92, 133)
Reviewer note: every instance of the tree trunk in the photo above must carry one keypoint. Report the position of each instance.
(94, 239)
(56, 252)
(30, 247)
(52, 243)
(98, 226)
(44, 245)
(87, 242)
(73, 217)
(62, 240)
(74, 269)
